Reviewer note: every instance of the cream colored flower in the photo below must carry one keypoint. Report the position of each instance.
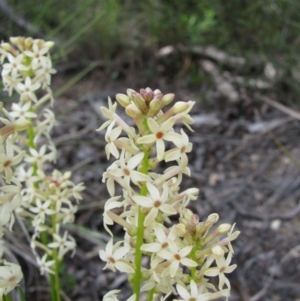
(27, 90)
(8, 160)
(110, 136)
(14, 66)
(111, 296)
(196, 294)
(156, 202)
(127, 171)
(223, 267)
(10, 276)
(19, 111)
(160, 132)
(45, 265)
(183, 146)
(64, 244)
(177, 256)
(113, 256)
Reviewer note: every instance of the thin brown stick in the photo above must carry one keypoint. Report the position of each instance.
(279, 106)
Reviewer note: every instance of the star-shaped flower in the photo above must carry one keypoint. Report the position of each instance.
(113, 256)
(156, 202)
(14, 66)
(223, 267)
(176, 257)
(183, 146)
(160, 132)
(197, 294)
(28, 89)
(110, 136)
(127, 171)
(22, 111)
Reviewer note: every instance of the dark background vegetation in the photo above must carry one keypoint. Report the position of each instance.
(239, 60)
(133, 31)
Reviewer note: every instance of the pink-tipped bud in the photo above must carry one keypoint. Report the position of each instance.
(168, 98)
(129, 91)
(195, 219)
(123, 100)
(147, 94)
(139, 101)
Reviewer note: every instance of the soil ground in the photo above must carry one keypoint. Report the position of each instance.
(245, 160)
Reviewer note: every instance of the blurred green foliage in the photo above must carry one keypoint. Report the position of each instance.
(98, 29)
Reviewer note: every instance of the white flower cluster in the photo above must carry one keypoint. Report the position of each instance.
(182, 255)
(10, 196)
(27, 70)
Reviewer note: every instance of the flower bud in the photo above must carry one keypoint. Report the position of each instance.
(195, 219)
(217, 251)
(147, 94)
(67, 175)
(212, 218)
(49, 44)
(22, 124)
(41, 174)
(6, 46)
(224, 228)
(139, 101)
(52, 186)
(168, 98)
(188, 214)
(123, 100)
(155, 106)
(180, 229)
(192, 193)
(129, 91)
(14, 40)
(132, 111)
(6, 130)
(179, 107)
(28, 43)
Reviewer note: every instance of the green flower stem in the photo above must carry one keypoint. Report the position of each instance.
(56, 282)
(54, 279)
(21, 293)
(44, 239)
(151, 294)
(7, 297)
(31, 144)
(197, 246)
(140, 235)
